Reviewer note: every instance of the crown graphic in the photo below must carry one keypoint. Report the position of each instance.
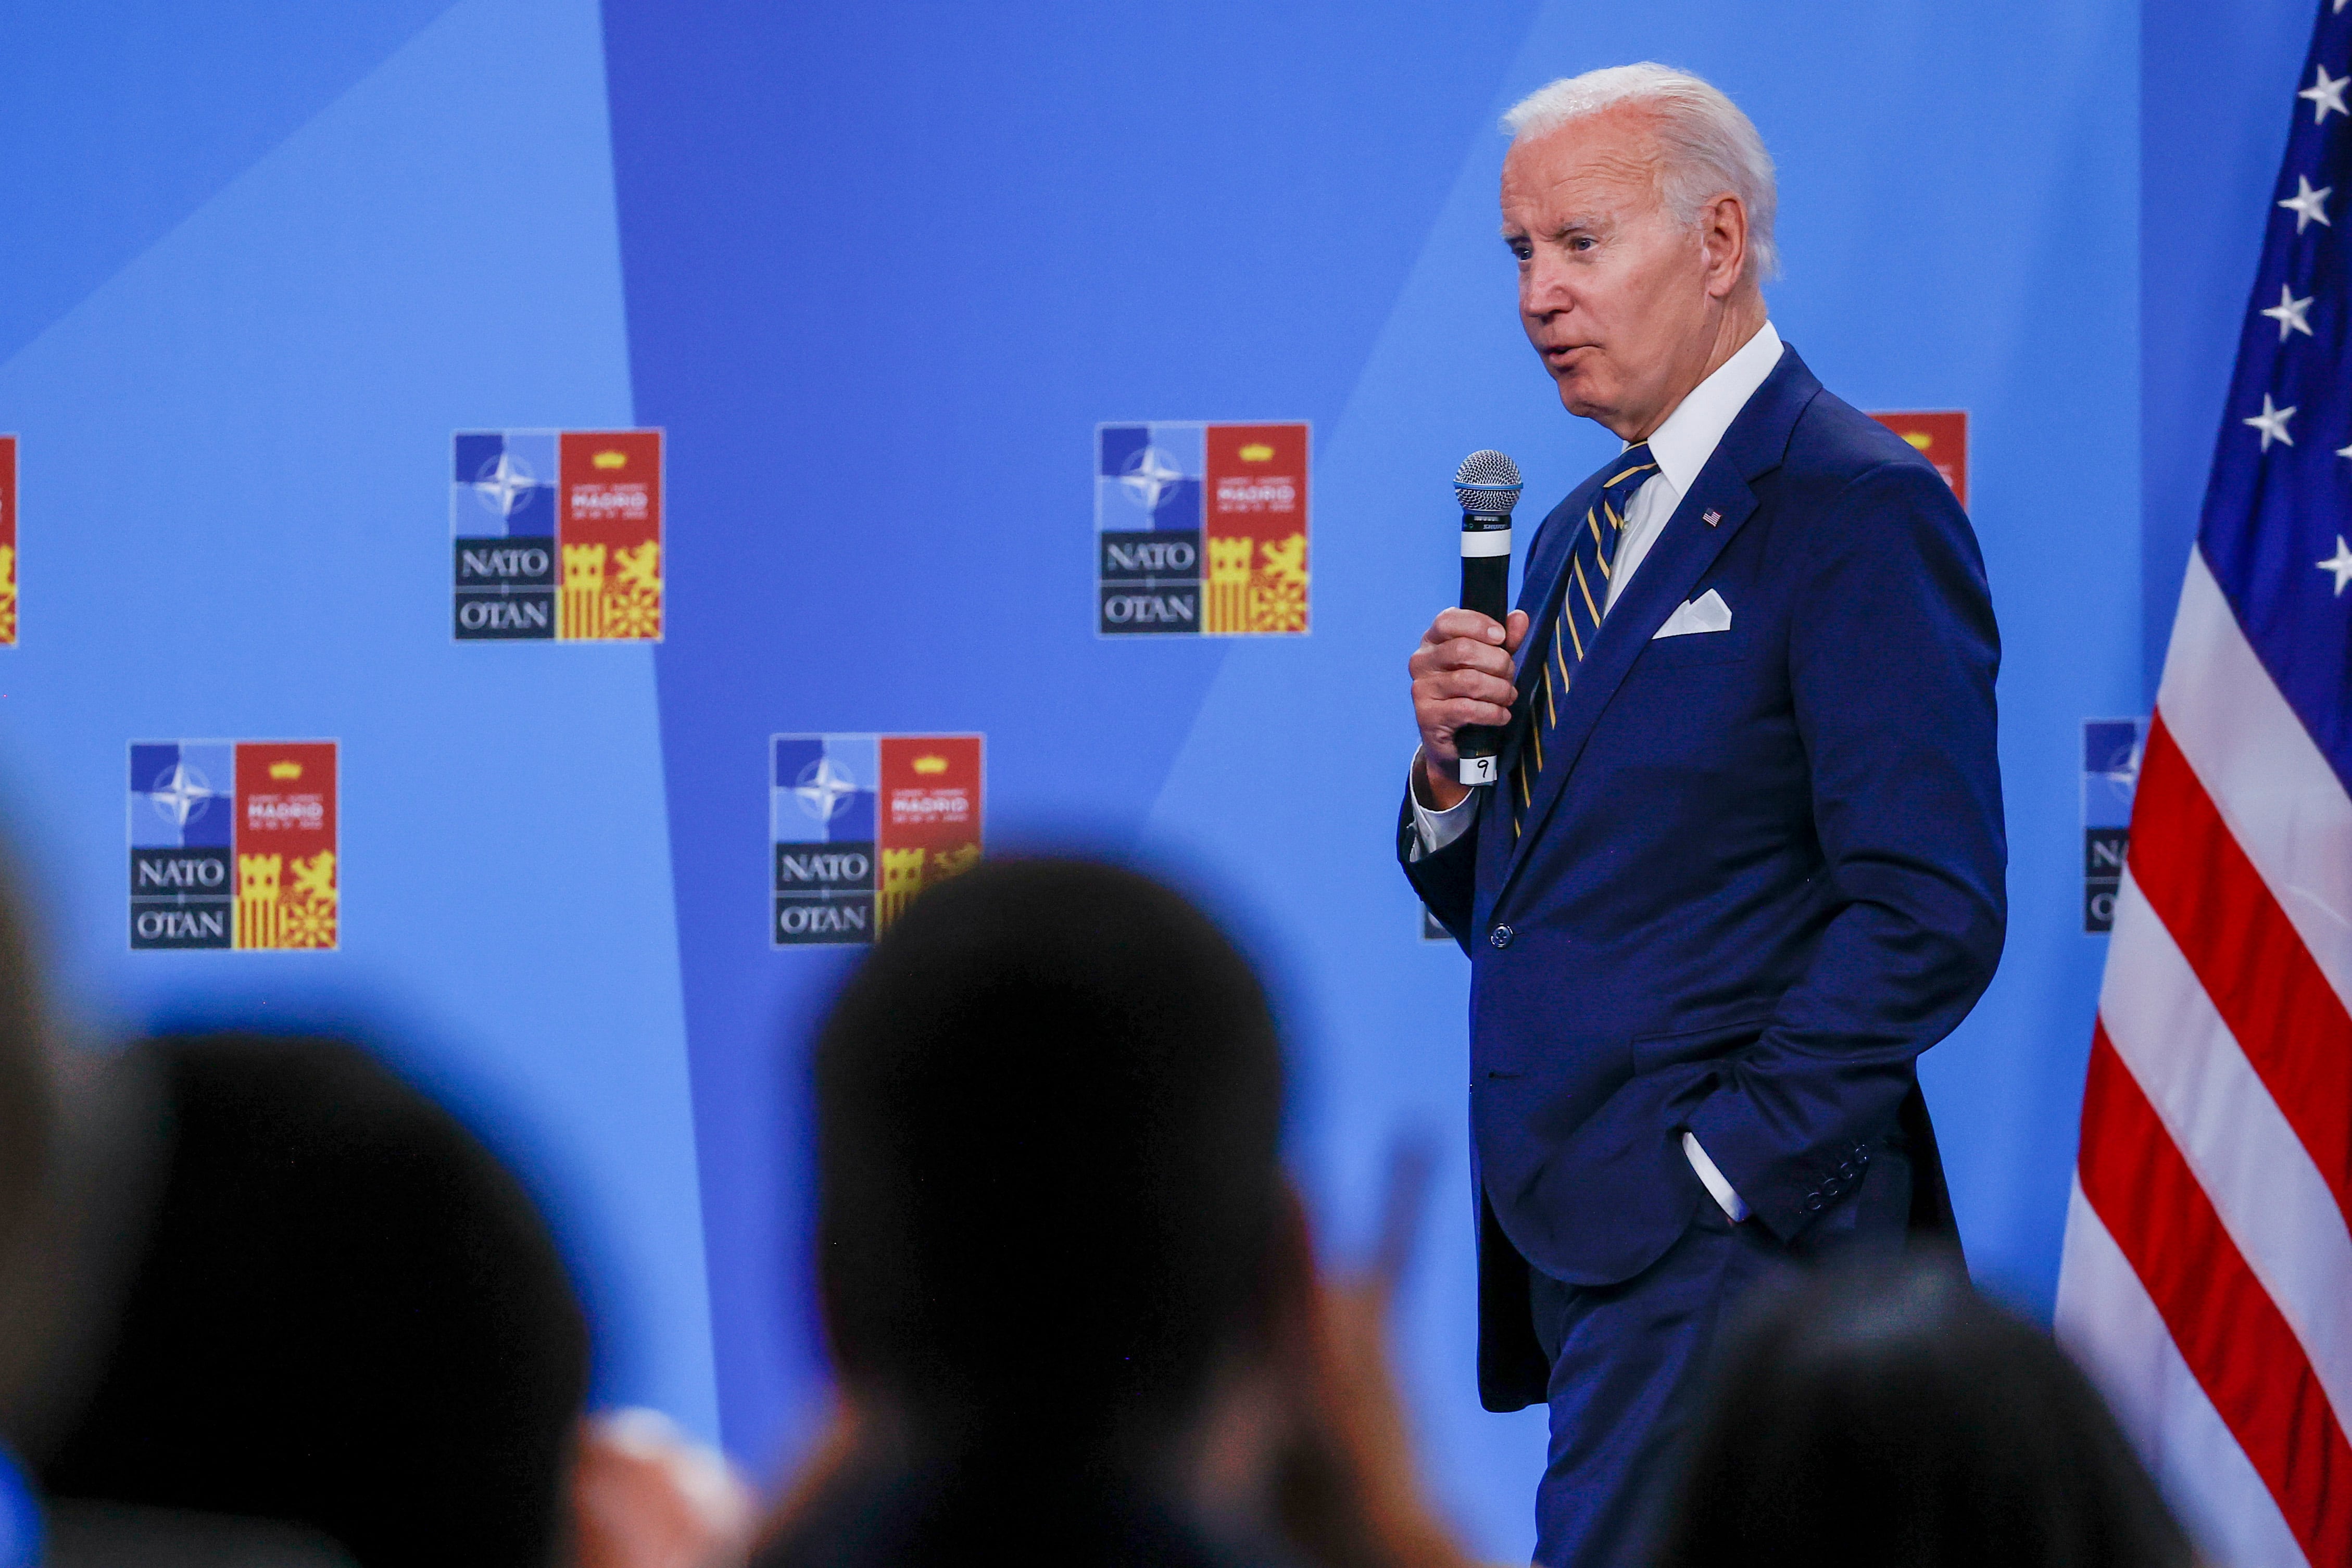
(931, 765)
(286, 770)
(610, 460)
(1257, 452)
(1919, 438)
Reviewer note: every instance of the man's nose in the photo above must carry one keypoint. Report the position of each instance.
(1544, 288)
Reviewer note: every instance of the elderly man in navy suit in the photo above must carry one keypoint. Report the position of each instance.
(1745, 860)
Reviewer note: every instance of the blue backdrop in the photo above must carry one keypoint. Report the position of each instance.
(879, 271)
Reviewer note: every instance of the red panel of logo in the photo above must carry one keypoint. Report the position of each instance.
(7, 539)
(1942, 438)
(288, 881)
(611, 530)
(928, 826)
(1254, 524)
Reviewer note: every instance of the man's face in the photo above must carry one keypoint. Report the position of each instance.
(1612, 288)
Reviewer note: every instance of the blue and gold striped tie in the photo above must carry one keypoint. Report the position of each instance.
(1583, 601)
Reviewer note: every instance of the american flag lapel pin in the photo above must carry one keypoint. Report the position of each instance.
(1713, 518)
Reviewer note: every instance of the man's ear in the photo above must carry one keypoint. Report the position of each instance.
(1722, 234)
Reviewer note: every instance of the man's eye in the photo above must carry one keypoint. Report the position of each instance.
(1582, 242)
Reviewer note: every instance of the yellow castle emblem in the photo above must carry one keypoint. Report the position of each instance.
(906, 873)
(1255, 585)
(610, 595)
(273, 913)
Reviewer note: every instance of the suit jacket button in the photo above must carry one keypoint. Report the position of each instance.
(1500, 937)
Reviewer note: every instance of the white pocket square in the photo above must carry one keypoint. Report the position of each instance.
(1708, 612)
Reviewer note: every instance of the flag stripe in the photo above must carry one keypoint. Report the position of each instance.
(2106, 1322)
(2279, 796)
(2226, 1328)
(2285, 1017)
(2217, 1125)
(2263, 1187)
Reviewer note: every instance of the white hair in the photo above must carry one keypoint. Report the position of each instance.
(1706, 145)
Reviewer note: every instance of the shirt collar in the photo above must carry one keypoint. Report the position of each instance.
(1689, 436)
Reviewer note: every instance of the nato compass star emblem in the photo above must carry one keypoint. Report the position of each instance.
(823, 789)
(1149, 475)
(501, 484)
(182, 795)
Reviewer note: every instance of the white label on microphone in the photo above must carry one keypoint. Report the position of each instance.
(1480, 769)
(1487, 541)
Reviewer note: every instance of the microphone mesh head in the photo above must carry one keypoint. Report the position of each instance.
(1487, 482)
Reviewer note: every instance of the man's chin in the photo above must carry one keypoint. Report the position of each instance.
(1577, 396)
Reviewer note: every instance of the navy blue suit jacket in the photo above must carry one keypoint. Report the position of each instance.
(1761, 871)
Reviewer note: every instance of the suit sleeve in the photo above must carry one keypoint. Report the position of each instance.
(1447, 879)
(1891, 656)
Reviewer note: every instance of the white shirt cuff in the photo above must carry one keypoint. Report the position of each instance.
(1712, 1179)
(1436, 830)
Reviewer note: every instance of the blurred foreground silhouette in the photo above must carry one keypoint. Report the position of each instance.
(1884, 1412)
(1074, 1307)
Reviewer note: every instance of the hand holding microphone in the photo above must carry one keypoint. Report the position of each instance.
(1462, 673)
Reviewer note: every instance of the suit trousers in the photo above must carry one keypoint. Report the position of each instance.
(1631, 1365)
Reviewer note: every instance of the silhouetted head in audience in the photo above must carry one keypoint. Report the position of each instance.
(1047, 1110)
(26, 1096)
(27, 1106)
(340, 1311)
(1889, 1414)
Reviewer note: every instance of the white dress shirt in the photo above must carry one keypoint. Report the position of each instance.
(1681, 446)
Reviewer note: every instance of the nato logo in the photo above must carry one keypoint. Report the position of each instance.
(861, 824)
(182, 796)
(233, 844)
(183, 830)
(1148, 476)
(1148, 490)
(558, 535)
(821, 803)
(2112, 750)
(825, 787)
(503, 491)
(503, 484)
(1200, 529)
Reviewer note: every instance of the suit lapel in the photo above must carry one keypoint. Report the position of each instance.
(1686, 546)
(1545, 576)
(1540, 586)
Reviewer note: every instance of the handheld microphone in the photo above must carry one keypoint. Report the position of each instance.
(1487, 486)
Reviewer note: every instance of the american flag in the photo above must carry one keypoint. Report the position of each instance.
(2208, 1272)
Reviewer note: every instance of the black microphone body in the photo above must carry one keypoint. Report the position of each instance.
(1487, 588)
(1488, 485)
